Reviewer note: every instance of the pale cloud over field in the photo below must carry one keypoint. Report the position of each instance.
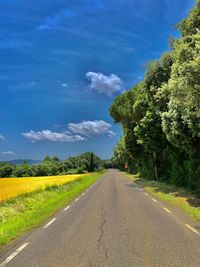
(91, 128)
(48, 135)
(75, 132)
(7, 152)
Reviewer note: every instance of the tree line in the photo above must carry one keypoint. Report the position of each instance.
(86, 162)
(160, 116)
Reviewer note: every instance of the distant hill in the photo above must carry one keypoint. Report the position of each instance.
(20, 161)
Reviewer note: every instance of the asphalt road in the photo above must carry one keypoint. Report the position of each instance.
(113, 224)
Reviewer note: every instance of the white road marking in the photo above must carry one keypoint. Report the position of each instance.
(67, 207)
(77, 199)
(167, 210)
(49, 223)
(83, 194)
(146, 194)
(192, 229)
(88, 190)
(13, 255)
(154, 200)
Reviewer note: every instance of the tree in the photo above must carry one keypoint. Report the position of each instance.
(181, 122)
(40, 170)
(160, 117)
(120, 157)
(191, 25)
(91, 164)
(6, 170)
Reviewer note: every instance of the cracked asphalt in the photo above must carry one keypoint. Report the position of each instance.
(113, 224)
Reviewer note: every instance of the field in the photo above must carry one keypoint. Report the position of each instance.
(26, 211)
(12, 187)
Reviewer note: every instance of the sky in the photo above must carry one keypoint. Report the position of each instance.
(62, 62)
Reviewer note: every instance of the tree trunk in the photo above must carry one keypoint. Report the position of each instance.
(155, 165)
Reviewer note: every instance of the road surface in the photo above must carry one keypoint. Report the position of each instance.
(114, 223)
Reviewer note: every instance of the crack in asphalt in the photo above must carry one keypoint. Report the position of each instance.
(101, 229)
(100, 243)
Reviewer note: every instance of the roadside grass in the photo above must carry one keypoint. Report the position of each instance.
(25, 212)
(177, 197)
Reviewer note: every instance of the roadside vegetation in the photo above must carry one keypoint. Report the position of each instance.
(176, 196)
(86, 162)
(23, 213)
(32, 193)
(12, 187)
(160, 116)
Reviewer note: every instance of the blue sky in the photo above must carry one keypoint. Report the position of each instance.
(61, 64)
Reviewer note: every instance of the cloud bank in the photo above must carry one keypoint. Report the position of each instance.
(7, 152)
(76, 132)
(108, 85)
(48, 135)
(91, 128)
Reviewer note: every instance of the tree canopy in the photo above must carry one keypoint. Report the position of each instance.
(86, 162)
(160, 116)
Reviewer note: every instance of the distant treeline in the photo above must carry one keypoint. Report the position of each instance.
(160, 116)
(86, 162)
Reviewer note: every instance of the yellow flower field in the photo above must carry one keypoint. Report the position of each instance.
(12, 187)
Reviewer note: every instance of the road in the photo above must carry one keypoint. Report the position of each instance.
(114, 223)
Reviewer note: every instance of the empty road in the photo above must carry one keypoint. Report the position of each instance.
(114, 223)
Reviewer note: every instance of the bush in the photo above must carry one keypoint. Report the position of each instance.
(7, 170)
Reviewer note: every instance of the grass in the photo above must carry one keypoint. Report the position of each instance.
(12, 187)
(177, 197)
(25, 212)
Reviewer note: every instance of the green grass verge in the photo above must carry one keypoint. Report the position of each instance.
(23, 213)
(177, 197)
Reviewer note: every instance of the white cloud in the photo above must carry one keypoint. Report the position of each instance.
(2, 137)
(74, 133)
(7, 153)
(91, 128)
(111, 133)
(48, 135)
(105, 84)
(64, 85)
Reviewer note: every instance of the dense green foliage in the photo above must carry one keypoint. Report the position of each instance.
(86, 162)
(160, 116)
